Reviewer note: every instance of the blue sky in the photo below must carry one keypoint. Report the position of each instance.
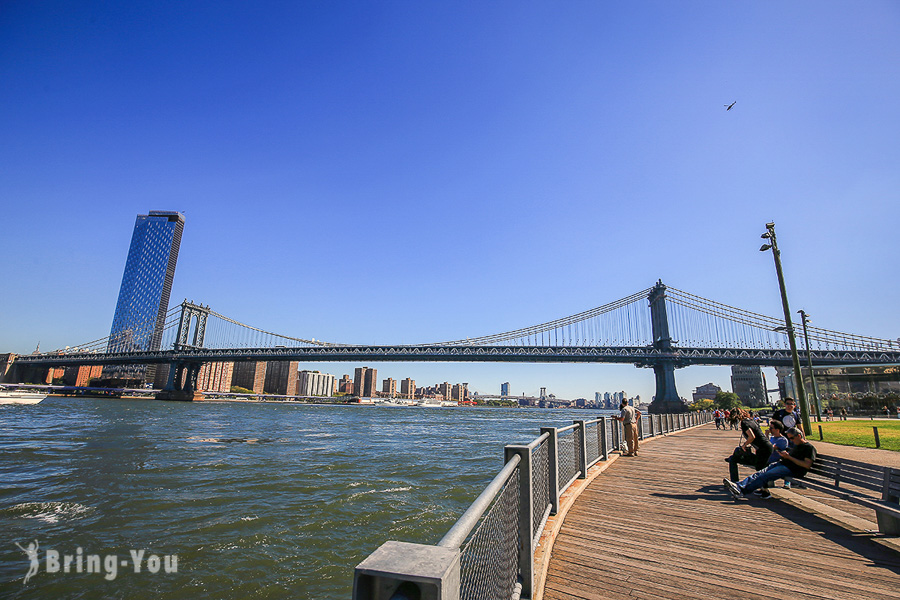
(393, 172)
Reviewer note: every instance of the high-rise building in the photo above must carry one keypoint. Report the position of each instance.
(346, 385)
(389, 387)
(749, 383)
(281, 378)
(408, 388)
(314, 383)
(146, 285)
(250, 376)
(365, 382)
(504, 389)
(215, 377)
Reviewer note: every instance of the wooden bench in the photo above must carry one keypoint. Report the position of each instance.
(831, 474)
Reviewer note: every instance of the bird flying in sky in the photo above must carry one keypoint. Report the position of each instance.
(730, 106)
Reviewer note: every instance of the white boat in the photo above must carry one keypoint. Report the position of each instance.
(15, 397)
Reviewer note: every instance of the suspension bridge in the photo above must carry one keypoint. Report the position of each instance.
(660, 327)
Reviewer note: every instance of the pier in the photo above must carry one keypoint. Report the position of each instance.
(662, 526)
(659, 525)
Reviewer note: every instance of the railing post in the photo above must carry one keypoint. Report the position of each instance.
(604, 447)
(582, 461)
(650, 422)
(526, 516)
(640, 428)
(553, 471)
(401, 569)
(616, 442)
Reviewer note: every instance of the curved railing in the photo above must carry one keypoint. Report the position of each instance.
(488, 554)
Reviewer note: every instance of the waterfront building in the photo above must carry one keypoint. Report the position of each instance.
(346, 385)
(706, 391)
(6, 361)
(250, 376)
(749, 383)
(365, 382)
(82, 376)
(281, 378)
(445, 390)
(504, 389)
(314, 383)
(408, 388)
(459, 391)
(144, 293)
(389, 387)
(215, 377)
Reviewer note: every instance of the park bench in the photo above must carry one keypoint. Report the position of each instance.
(854, 481)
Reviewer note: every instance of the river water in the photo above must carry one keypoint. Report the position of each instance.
(262, 500)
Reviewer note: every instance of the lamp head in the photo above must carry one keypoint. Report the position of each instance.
(766, 235)
(765, 247)
(770, 226)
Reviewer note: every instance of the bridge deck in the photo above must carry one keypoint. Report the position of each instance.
(661, 526)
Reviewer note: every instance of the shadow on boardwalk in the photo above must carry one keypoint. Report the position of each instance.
(661, 526)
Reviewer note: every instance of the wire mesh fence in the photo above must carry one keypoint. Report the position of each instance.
(489, 559)
(540, 484)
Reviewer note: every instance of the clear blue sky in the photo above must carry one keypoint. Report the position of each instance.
(387, 172)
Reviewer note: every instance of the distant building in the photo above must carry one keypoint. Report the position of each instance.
(144, 294)
(504, 389)
(459, 391)
(82, 376)
(408, 388)
(706, 391)
(389, 387)
(215, 377)
(346, 385)
(281, 378)
(365, 382)
(250, 375)
(314, 383)
(749, 383)
(445, 390)
(785, 377)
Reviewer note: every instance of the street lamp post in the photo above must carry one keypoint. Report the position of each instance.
(798, 376)
(815, 389)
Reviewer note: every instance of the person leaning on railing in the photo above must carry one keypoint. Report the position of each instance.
(795, 463)
(629, 417)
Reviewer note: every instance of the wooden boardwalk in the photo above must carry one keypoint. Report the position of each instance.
(661, 525)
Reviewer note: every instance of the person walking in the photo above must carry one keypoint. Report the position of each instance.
(628, 416)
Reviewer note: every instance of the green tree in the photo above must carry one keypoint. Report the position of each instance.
(704, 404)
(727, 400)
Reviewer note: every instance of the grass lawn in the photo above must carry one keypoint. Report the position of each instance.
(859, 433)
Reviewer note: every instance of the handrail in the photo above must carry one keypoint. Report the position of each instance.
(455, 568)
(466, 523)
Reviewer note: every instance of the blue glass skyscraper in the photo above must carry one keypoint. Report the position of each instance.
(147, 283)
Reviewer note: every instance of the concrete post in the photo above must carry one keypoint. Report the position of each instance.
(553, 458)
(526, 512)
(650, 422)
(404, 570)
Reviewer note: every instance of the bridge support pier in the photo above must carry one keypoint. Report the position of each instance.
(666, 400)
(182, 383)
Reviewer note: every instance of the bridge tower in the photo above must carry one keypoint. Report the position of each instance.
(666, 399)
(182, 381)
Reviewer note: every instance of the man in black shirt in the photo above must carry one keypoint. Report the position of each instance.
(795, 463)
(789, 415)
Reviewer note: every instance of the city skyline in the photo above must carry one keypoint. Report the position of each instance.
(407, 174)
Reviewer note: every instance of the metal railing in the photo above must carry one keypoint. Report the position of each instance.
(488, 554)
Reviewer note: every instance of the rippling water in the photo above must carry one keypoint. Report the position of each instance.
(266, 500)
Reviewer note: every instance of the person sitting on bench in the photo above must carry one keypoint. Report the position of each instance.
(795, 463)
